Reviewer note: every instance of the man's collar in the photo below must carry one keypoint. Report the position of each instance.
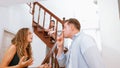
(74, 36)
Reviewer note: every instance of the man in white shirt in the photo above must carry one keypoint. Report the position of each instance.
(82, 53)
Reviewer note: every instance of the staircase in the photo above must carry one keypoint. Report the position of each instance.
(41, 17)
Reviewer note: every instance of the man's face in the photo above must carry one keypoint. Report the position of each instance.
(67, 30)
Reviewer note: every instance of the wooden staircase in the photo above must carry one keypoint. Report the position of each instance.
(39, 20)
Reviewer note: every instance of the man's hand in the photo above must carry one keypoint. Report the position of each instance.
(60, 46)
(60, 40)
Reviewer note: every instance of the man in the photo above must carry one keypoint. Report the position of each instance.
(82, 53)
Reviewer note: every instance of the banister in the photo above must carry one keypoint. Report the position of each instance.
(53, 15)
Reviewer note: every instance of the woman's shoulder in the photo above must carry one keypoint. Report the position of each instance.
(11, 50)
(12, 47)
(9, 54)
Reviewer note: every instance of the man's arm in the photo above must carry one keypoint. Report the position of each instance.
(60, 55)
(9, 56)
(61, 60)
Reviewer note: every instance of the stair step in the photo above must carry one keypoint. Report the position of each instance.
(46, 36)
(34, 24)
(39, 29)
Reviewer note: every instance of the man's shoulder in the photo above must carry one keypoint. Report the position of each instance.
(86, 42)
(85, 36)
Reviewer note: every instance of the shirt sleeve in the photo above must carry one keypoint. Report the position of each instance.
(93, 58)
(61, 60)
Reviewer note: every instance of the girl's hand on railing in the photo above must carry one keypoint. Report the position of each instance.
(45, 66)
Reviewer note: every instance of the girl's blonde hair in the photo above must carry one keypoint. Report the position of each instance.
(20, 41)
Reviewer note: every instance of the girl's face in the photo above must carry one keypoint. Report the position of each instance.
(30, 36)
(52, 24)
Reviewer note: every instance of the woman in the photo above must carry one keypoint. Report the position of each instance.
(19, 54)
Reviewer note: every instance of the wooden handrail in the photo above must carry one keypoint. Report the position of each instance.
(53, 15)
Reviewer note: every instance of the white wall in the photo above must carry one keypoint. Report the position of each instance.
(39, 51)
(4, 18)
(19, 17)
(110, 32)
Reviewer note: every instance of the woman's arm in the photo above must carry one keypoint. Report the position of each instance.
(9, 54)
(22, 63)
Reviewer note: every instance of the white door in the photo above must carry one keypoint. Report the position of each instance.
(6, 41)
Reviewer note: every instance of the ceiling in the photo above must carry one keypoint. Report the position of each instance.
(13, 2)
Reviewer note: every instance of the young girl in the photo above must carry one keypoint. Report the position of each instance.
(51, 31)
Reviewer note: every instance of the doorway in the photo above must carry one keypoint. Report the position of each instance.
(6, 41)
